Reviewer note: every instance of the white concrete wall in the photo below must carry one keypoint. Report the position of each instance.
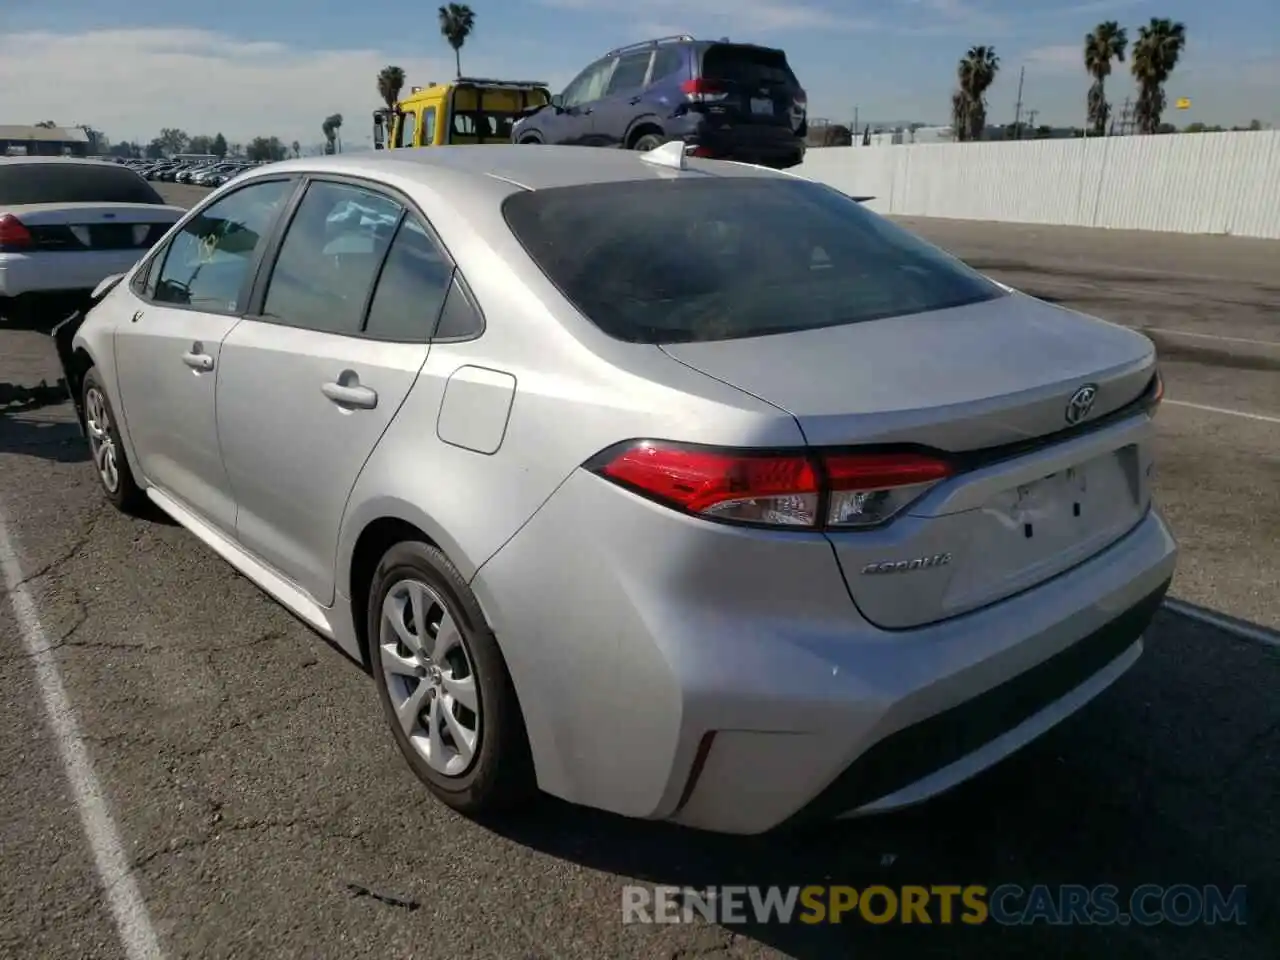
(1226, 183)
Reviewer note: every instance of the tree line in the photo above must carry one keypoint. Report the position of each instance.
(1153, 57)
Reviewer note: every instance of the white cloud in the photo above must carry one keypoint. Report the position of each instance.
(1061, 58)
(131, 83)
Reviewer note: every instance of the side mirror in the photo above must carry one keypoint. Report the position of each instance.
(557, 101)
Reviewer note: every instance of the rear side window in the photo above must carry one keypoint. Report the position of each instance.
(667, 61)
(696, 259)
(329, 257)
(54, 182)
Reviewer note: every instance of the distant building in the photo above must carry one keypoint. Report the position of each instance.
(32, 141)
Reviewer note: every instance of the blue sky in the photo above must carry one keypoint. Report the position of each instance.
(278, 66)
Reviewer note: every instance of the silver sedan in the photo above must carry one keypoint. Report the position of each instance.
(683, 489)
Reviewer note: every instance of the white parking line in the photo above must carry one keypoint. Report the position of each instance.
(1247, 631)
(133, 923)
(1210, 336)
(1232, 413)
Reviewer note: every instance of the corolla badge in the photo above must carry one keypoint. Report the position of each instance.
(907, 566)
(1081, 403)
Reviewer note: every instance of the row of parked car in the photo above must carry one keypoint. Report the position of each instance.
(204, 173)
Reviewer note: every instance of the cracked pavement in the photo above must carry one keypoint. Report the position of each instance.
(266, 811)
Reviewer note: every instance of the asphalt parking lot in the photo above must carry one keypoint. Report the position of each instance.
(264, 812)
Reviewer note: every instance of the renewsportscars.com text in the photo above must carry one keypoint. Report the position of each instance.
(973, 904)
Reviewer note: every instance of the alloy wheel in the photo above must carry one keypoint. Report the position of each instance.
(430, 677)
(101, 443)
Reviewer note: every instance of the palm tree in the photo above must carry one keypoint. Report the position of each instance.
(331, 127)
(1107, 42)
(457, 20)
(390, 83)
(1154, 56)
(296, 148)
(975, 74)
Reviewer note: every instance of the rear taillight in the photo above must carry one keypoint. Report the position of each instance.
(14, 235)
(701, 90)
(802, 99)
(805, 490)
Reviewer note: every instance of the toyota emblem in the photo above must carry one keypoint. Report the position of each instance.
(1081, 403)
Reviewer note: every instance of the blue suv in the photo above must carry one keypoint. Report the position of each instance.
(731, 101)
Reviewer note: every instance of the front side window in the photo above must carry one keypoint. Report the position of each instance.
(207, 263)
(429, 126)
(407, 128)
(329, 257)
(717, 258)
(590, 85)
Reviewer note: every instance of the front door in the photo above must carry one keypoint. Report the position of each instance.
(309, 385)
(572, 123)
(168, 350)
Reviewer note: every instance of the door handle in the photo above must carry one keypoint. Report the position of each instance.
(634, 100)
(350, 395)
(198, 361)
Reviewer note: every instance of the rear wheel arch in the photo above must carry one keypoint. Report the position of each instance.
(531, 138)
(374, 541)
(643, 128)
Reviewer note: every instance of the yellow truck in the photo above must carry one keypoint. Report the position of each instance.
(467, 110)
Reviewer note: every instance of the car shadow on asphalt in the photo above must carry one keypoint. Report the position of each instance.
(48, 431)
(34, 429)
(1167, 778)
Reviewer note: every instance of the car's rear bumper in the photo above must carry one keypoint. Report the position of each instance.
(670, 668)
(61, 272)
(766, 146)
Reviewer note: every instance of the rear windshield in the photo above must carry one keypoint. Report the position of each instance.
(72, 183)
(751, 66)
(678, 261)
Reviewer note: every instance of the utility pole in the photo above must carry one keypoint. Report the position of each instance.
(1017, 107)
(1031, 121)
(854, 131)
(1124, 119)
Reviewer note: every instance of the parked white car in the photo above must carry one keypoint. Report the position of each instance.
(67, 224)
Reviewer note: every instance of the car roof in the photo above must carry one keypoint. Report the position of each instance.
(523, 166)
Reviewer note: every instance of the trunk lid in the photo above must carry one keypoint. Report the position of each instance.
(991, 384)
(753, 85)
(95, 226)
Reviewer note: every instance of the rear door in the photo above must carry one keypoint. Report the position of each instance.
(620, 102)
(310, 381)
(751, 85)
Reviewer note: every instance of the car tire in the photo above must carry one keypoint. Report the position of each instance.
(105, 447)
(647, 142)
(499, 773)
